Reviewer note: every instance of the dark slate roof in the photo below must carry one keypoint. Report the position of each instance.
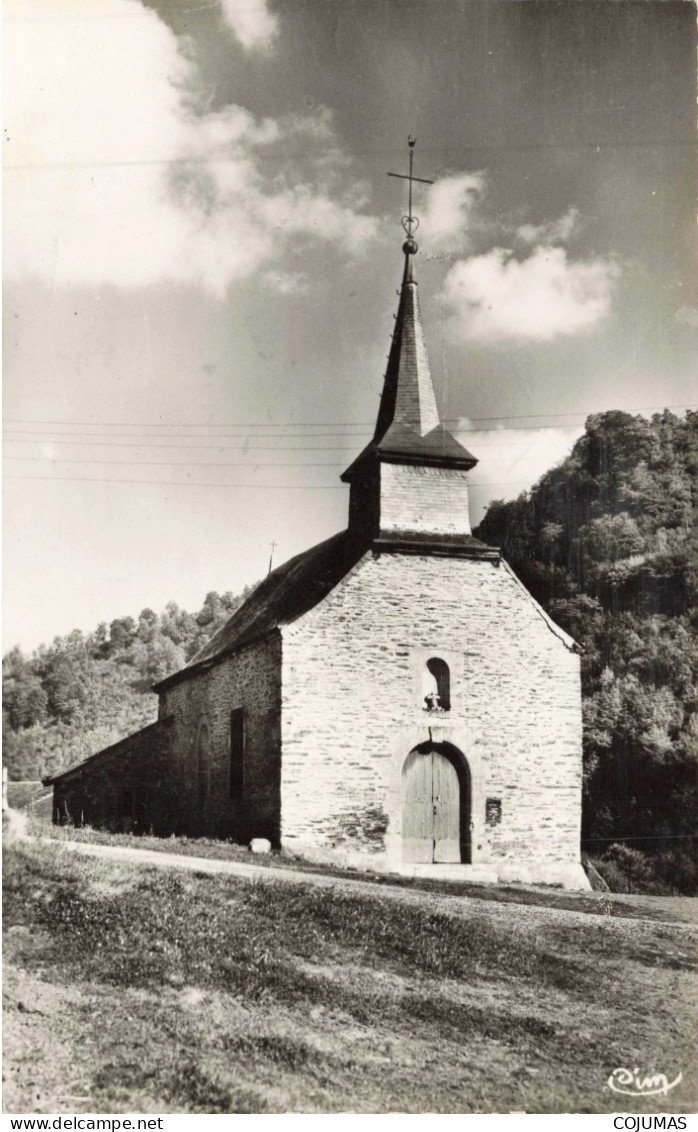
(113, 749)
(408, 396)
(403, 445)
(284, 595)
(408, 426)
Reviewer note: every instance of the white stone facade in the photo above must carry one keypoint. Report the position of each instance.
(425, 500)
(352, 710)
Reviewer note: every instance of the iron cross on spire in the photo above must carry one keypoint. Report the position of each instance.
(410, 223)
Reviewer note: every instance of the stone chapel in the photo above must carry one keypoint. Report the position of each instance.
(392, 698)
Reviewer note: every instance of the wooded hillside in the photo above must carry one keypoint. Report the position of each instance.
(74, 697)
(607, 544)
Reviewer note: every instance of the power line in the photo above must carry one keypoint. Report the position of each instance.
(16, 434)
(200, 424)
(136, 441)
(181, 483)
(194, 447)
(330, 424)
(659, 143)
(243, 486)
(251, 448)
(168, 464)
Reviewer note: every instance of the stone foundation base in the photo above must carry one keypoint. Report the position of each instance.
(484, 874)
(505, 872)
(570, 876)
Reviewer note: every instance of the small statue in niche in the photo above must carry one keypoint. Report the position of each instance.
(433, 701)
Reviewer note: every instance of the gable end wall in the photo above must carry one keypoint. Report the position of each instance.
(352, 710)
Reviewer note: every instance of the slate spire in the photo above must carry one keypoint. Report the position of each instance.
(408, 398)
(408, 426)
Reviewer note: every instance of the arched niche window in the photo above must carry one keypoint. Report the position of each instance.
(436, 685)
(204, 769)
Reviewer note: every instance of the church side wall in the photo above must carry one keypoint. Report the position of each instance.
(208, 802)
(353, 709)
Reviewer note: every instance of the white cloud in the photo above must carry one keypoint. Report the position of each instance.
(511, 459)
(447, 208)
(497, 296)
(552, 232)
(113, 179)
(287, 282)
(526, 287)
(688, 316)
(251, 22)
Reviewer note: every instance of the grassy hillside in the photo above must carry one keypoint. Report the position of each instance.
(151, 991)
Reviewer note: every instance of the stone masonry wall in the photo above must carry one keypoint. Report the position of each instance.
(417, 498)
(126, 787)
(251, 680)
(353, 709)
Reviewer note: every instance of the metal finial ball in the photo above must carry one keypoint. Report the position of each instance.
(410, 247)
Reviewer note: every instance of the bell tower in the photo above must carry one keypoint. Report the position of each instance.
(411, 480)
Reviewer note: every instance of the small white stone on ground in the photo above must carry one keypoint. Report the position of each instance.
(260, 845)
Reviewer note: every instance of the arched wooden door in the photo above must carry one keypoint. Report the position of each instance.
(435, 805)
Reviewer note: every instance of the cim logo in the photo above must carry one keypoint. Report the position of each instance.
(632, 1084)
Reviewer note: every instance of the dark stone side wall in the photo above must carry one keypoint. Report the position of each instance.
(126, 788)
(251, 680)
(156, 780)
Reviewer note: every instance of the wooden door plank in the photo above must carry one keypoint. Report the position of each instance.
(446, 809)
(417, 809)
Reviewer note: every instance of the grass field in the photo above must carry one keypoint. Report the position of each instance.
(130, 988)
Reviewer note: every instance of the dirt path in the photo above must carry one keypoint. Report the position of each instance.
(40, 1071)
(528, 914)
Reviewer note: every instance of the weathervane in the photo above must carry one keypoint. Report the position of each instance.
(410, 223)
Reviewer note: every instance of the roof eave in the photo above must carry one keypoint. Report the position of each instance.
(411, 542)
(76, 771)
(374, 454)
(185, 673)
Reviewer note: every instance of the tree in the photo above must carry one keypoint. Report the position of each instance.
(23, 697)
(121, 633)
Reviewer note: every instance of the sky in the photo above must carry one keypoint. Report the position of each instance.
(202, 251)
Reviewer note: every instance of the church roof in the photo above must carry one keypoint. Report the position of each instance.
(301, 583)
(408, 426)
(284, 595)
(106, 752)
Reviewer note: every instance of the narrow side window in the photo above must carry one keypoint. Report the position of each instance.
(237, 752)
(204, 766)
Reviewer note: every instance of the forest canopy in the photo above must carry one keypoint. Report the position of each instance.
(72, 698)
(607, 543)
